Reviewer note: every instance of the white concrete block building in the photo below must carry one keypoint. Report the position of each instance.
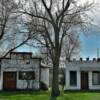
(22, 71)
(82, 75)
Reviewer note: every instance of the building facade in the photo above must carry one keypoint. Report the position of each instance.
(82, 75)
(20, 71)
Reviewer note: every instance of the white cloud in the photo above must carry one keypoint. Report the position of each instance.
(95, 11)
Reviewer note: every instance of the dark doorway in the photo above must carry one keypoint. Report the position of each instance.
(84, 80)
(9, 80)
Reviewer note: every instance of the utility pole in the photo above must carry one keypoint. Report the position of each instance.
(97, 53)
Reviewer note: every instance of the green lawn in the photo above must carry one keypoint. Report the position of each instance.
(19, 95)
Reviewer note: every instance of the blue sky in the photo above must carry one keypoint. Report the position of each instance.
(89, 42)
(25, 48)
(89, 45)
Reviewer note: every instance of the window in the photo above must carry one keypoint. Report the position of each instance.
(96, 78)
(26, 75)
(73, 78)
(27, 61)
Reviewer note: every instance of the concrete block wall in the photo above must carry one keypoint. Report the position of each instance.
(67, 81)
(88, 66)
(78, 87)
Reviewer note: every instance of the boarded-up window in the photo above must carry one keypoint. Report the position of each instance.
(73, 78)
(96, 78)
(27, 75)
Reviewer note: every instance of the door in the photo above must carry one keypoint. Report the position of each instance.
(9, 80)
(84, 80)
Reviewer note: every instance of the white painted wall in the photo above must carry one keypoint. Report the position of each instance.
(81, 66)
(28, 84)
(1, 80)
(67, 81)
(16, 65)
(91, 86)
(45, 75)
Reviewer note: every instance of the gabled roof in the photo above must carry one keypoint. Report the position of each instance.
(21, 53)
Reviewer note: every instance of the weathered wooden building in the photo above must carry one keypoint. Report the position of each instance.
(22, 71)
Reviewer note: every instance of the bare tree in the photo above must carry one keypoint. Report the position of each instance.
(7, 21)
(11, 28)
(71, 46)
(53, 20)
(6, 9)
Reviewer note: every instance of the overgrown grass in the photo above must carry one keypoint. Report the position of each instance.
(45, 95)
(24, 95)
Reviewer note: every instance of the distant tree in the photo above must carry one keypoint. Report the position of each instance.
(70, 50)
(11, 28)
(71, 46)
(53, 20)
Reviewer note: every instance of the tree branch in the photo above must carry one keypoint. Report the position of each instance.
(36, 16)
(15, 47)
(48, 11)
(61, 15)
(48, 35)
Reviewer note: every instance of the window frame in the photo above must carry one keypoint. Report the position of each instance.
(73, 82)
(32, 77)
(97, 72)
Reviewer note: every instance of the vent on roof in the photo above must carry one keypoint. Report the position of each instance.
(81, 59)
(87, 59)
(94, 59)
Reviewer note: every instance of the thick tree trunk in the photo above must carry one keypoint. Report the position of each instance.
(55, 81)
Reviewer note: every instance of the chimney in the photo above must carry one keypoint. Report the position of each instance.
(97, 53)
(81, 59)
(87, 59)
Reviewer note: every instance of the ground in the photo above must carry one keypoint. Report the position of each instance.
(42, 95)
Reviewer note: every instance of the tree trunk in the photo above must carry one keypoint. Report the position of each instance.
(55, 81)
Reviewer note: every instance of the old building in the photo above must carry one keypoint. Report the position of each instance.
(22, 71)
(82, 75)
